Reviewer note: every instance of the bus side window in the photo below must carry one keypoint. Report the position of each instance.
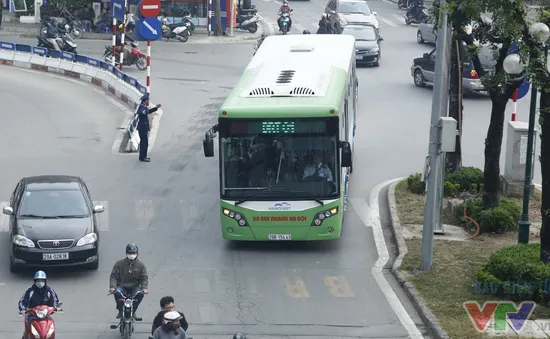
(346, 121)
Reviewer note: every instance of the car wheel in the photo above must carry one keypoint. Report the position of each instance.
(419, 37)
(419, 79)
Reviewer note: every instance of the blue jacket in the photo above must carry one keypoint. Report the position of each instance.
(35, 296)
(143, 120)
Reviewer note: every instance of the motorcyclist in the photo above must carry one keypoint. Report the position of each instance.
(285, 9)
(38, 294)
(129, 277)
(52, 36)
(415, 6)
(324, 24)
(170, 328)
(118, 42)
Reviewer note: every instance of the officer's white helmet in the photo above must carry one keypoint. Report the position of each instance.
(171, 316)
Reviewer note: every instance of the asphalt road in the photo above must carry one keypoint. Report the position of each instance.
(169, 206)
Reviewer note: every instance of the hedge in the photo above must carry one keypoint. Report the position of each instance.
(495, 220)
(469, 179)
(515, 272)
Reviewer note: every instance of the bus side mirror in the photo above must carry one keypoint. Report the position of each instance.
(208, 146)
(346, 154)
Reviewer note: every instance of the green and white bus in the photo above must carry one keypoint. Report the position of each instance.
(286, 140)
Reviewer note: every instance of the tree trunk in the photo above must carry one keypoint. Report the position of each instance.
(453, 161)
(493, 147)
(544, 122)
(218, 16)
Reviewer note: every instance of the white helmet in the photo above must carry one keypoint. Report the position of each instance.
(171, 316)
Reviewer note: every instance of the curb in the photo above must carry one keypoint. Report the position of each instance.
(412, 293)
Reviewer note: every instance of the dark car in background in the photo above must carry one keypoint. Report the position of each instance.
(52, 222)
(422, 70)
(367, 43)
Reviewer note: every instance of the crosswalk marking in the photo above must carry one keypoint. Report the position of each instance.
(4, 219)
(145, 214)
(189, 213)
(387, 22)
(103, 218)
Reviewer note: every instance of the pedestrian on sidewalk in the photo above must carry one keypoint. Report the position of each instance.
(143, 112)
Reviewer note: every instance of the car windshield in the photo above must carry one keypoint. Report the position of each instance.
(53, 203)
(279, 159)
(363, 33)
(354, 8)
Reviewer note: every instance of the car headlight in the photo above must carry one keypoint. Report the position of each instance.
(374, 50)
(41, 314)
(50, 331)
(319, 217)
(22, 241)
(239, 218)
(34, 332)
(89, 238)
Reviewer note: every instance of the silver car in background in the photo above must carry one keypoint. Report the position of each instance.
(426, 32)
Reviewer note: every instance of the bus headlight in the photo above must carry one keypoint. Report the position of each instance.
(238, 217)
(319, 217)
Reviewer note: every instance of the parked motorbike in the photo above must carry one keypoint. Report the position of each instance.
(67, 42)
(402, 4)
(41, 325)
(126, 323)
(250, 24)
(136, 57)
(187, 19)
(420, 18)
(285, 23)
(175, 31)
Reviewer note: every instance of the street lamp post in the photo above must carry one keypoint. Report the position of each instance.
(512, 65)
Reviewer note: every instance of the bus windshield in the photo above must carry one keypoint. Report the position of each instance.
(267, 159)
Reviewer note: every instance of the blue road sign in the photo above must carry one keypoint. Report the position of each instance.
(514, 48)
(523, 88)
(150, 28)
(118, 9)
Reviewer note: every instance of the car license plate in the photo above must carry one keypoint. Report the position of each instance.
(359, 57)
(55, 256)
(280, 237)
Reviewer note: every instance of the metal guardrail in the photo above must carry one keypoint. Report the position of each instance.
(100, 73)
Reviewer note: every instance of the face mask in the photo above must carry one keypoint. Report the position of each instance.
(131, 256)
(40, 284)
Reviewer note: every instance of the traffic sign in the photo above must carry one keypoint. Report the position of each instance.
(514, 48)
(150, 28)
(118, 9)
(523, 88)
(149, 8)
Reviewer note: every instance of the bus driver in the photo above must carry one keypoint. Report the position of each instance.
(317, 168)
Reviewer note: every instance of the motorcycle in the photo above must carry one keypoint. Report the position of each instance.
(402, 4)
(285, 22)
(188, 22)
(175, 31)
(68, 44)
(41, 324)
(250, 24)
(136, 57)
(421, 17)
(126, 323)
(75, 25)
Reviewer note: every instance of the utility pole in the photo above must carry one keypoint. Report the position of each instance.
(218, 17)
(436, 168)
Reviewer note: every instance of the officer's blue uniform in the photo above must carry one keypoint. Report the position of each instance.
(35, 296)
(143, 126)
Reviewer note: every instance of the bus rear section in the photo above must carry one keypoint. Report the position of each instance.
(281, 220)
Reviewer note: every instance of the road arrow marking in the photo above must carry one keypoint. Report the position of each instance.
(154, 31)
(150, 6)
(119, 6)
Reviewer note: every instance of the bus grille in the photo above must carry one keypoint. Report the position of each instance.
(302, 91)
(261, 91)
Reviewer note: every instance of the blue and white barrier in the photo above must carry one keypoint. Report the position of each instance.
(91, 70)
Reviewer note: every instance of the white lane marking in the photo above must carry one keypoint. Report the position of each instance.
(103, 218)
(144, 214)
(4, 219)
(189, 213)
(387, 21)
(362, 209)
(383, 257)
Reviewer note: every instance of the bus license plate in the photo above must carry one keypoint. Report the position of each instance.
(55, 256)
(280, 237)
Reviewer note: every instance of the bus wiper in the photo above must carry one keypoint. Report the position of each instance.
(294, 192)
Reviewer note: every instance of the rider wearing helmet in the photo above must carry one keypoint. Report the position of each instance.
(118, 42)
(171, 327)
(38, 294)
(285, 8)
(324, 24)
(129, 277)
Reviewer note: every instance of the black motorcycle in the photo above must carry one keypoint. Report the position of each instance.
(75, 25)
(67, 42)
(126, 323)
(420, 17)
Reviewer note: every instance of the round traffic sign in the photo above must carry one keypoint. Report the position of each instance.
(523, 88)
(149, 8)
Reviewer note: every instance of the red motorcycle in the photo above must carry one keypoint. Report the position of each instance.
(41, 325)
(136, 57)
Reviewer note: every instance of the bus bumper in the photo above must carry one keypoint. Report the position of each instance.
(311, 233)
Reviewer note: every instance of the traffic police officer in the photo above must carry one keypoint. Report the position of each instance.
(143, 112)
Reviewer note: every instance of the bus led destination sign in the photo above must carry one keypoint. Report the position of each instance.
(277, 127)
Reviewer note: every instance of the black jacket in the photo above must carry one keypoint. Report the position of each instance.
(158, 321)
(35, 296)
